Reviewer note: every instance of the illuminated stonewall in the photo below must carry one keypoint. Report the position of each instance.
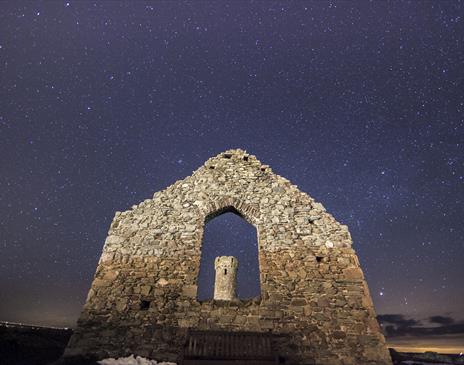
(314, 298)
(225, 284)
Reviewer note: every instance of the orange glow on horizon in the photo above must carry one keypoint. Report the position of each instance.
(442, 345)
(440, 350)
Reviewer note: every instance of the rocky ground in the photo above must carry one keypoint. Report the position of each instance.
(426, 358)
(30, 345)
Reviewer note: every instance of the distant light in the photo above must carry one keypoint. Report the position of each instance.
(381, 293)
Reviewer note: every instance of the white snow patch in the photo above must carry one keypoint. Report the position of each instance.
(131, 360)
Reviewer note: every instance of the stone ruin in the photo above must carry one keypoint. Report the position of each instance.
(314, 302)
(225, 283)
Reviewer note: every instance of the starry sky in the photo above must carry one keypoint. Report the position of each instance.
(358, 103)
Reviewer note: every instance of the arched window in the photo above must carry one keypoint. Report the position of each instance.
(228, 234)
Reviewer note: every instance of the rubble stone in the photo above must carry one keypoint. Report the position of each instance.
(143, 296)
(225, 283)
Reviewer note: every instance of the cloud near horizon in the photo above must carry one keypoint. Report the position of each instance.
(396, 325)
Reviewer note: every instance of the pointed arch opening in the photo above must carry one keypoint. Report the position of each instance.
(228, 233)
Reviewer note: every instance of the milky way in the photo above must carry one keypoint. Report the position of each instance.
(360, 104)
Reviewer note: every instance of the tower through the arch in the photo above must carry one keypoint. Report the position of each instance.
(314, 306)
(225, 283)
(229, 234)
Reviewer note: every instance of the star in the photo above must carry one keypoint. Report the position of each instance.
(108, 103)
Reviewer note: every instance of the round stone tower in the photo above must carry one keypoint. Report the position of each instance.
(226, 277)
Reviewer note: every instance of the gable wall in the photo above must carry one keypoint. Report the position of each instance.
(153, 253)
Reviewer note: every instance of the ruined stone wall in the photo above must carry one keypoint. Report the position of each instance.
(144, 294)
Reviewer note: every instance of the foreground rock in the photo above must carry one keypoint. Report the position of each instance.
(132, 360)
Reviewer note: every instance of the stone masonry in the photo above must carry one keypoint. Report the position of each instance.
(143, 298)
(225, 283)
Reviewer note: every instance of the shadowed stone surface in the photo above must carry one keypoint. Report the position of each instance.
(312, 287)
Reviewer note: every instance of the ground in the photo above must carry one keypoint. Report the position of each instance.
(29, 345)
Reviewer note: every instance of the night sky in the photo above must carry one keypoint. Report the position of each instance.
(358, 103)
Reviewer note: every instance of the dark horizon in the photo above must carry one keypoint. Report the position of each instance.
(359, 104)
